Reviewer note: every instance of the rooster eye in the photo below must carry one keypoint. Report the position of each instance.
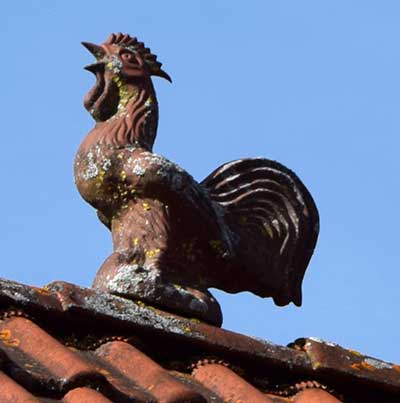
(127, 57)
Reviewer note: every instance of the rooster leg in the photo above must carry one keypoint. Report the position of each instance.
(118, 275)
(141, 269)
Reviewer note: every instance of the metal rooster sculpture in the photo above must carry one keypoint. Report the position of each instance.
(251, 225)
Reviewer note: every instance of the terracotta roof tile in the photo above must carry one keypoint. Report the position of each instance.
(147, 374)
(40, 355)
(70, 344)
(315, 396)
(116, 384)
(86, 395)
(12, 392)
(232, 389)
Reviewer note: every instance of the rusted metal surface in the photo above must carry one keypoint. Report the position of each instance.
(131, 330)
(173, 237)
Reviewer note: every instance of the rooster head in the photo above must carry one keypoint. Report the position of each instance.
(122, 65)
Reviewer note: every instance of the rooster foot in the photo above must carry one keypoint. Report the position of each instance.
(128, 275)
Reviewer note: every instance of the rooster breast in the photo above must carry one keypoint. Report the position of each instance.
(141, 195)
(111, 178)
(108, 177)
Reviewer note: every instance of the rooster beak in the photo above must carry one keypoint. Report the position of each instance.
(163, 74)
(97, 51)
(95, 68)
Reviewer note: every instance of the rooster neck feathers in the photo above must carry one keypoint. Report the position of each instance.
(123, 101)
(134, 124)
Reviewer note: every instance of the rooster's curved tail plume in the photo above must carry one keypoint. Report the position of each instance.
(273, 214)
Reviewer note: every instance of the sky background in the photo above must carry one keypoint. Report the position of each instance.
(312, 84)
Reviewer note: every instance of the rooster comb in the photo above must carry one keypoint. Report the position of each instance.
(133, 44)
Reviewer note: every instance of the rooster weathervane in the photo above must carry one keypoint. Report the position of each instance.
(251, 225)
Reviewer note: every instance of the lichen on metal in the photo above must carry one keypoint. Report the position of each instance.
(251, 225)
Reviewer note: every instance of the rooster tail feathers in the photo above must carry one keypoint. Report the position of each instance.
(276, 221)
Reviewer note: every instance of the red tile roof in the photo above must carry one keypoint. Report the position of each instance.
(64, 343)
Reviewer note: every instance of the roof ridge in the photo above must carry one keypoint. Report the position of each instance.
(63, 308)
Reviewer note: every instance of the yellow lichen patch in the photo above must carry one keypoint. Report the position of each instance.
(42, 291)
(140, 303)
(117, 80)
(125, 94)
(367, 366)
(243, 220)
(136, 241)
(363, 365)
(396, 367)
(315, 363)
(194, 320)
(187, 329)
(5, 334)
(123, 175)
(143, 305)
(215, 243)
(116, 226)
(99, 179)
(146, 207)
(355, 353)
(268, 231)
(12, 342)
(103, 371)
(152, 252)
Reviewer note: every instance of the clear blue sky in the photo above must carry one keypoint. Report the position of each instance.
(312, 84)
